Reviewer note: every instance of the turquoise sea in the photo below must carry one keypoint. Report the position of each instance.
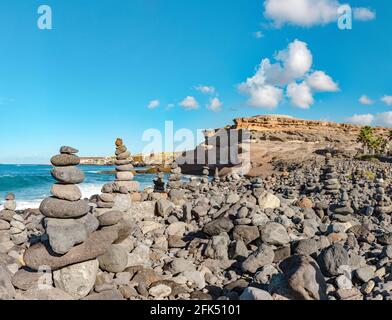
(32, 183)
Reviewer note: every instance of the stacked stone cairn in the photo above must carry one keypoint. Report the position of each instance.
(330, 178)
(6, 217)
(343, 211)
(216, 179)
(383, 202)
(159, 184)
(116, 195)
(175, 177)
(71, 244)
(124, 169)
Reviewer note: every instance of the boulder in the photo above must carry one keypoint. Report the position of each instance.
(304, 278)
(78, 279)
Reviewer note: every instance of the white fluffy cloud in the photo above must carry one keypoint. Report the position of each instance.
(215, 105)
(361, 119)
(364, 14)
(189, 103)
(383, 119)
(364, 99)
(293, 66)
(300, 94)
(308, 13)
(153, 104)
(387, 100)
(319, 81)
(205, 89)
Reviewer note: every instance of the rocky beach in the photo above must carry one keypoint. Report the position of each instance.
(317, 228)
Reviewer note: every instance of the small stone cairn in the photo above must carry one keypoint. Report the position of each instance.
(6, 217)
(383, 202)
(175, 177)
(159, 184)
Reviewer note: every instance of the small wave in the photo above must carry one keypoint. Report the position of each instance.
(26, 204)
(90, 189)
(92, 171)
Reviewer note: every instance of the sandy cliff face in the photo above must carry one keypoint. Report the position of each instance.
(279, 139)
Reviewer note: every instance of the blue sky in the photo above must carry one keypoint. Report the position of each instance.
(92, 77)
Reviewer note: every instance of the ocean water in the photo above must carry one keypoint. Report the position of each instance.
(32, 183)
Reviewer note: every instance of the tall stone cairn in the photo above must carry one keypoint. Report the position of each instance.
(116, 195)
(124, 169)
(66, 221)
(330, 177)
(71, 244)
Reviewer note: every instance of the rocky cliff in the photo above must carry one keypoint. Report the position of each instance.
(279, 140)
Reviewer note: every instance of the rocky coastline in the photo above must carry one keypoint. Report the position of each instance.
(321, 231)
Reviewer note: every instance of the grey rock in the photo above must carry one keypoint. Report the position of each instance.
(365, 274)
(65, 233)
(63, 160)
(218, 226)
(114, 260)
(252, 293)
(179, 265)
(110, 218)
(68, 150)
(334, 260)
(66, 192)
(57, 208)
(263, 256)
(68, 175)
(274, 233)
(7, 290)
(304, 277)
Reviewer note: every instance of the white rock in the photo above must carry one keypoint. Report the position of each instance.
(251, 293)
(160, 291)
(268, 201)
(78, 279)
(176, 229)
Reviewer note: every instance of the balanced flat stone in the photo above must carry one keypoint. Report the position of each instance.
(63, 160)
(66, 192)
(125, 167)
(68, 175)
(68, 150)
(95, 245)
(124, 176)
(57, 208)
